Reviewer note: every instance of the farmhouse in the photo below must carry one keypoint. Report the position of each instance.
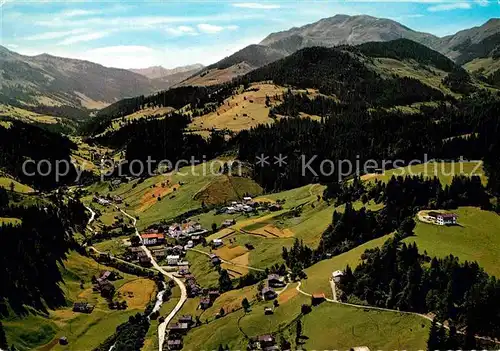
(215, 259)
(275, 281)
(180, 328)
(174, 344)
(152, 239)
(318, 298)
(186, 319)
(228, 223)
(213, 294)
(145, 260)
(266, 341)
(269, 293)
(275, 207)
(83, 307)
(337, 275)
(217, 242)
(443, 218)
(205, 303)
(173, 260)
(158, 253)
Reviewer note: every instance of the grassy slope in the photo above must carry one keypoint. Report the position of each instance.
(328, 326)
(345, 327)
(227, 188)
(27, 116)
(318, 275)
(84, 331)
(203, 270)
(230, 114)
(477, 238)
(20, 188)
(171, 205)
(445, 171)
(489, 65)
(430, 76)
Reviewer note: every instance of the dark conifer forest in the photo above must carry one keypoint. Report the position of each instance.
(22, 142)
(33, 249)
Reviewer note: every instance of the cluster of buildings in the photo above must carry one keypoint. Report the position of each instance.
(264, 342)
(108, 201)
(240, 207)
(273, 281)
(103, 284)
(186, 230)
(177, 330)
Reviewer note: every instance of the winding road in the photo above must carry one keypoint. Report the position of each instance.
(163, 326)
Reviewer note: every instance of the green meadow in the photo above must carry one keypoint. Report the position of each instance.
(476, 238)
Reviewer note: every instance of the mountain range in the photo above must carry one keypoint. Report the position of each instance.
(45, 80)
(56, 81)
(353, 30)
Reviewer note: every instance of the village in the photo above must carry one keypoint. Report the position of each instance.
(169, 243)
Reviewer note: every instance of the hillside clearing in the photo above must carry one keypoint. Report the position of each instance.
(445, 171)
(319, 274)
(475, 238)
(241, 111)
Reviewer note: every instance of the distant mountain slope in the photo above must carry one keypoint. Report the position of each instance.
(404, 49)
(488, 47)
(354, 30)
(155, 72)
(343, 29)
(254, 55)
(56, 81)
(212, 76)
(455, 45)
(345, 73)
(167, 78)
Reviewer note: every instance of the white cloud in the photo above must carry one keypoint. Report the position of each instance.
(77, 13)
(482, 2)
(450, 6)
(140, 22)
(54, 35)
(213, 29)
(12, 46)
(256, 6)
(209, 28)
(136, 56)
(181, 30)
(83, 37)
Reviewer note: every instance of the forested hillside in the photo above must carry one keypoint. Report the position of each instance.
(342, 73)
(404, 49)
(32, 250)
(22, 142)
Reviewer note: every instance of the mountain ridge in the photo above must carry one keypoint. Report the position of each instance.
(354, 30)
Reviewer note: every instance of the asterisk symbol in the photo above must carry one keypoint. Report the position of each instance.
(280, 160)
(262, 160)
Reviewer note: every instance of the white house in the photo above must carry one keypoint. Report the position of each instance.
(444, 218)
(152, 239)
(217, 242)
(337, 275)
(173, 260)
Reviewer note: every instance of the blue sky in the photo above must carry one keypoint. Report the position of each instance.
(136, 34)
